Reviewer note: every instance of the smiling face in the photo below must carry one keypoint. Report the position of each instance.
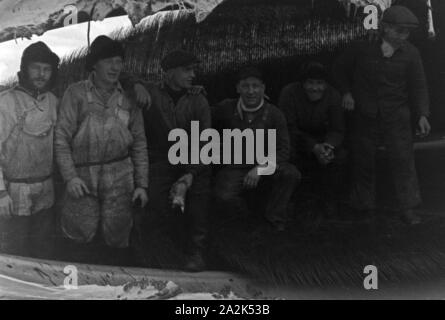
(182, 77)
(39, 74)
(314, 89)
(108, 70)
(251, 91)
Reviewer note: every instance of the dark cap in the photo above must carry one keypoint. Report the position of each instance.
(400, 16)
(178, 58)
(250, 72)
(103, 47)
(39, 52)
(313, 70)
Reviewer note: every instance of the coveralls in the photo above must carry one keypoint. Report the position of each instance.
(103, 143)
(26, 168)
(386, 91)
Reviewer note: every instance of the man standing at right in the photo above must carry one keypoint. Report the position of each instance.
(382, 81)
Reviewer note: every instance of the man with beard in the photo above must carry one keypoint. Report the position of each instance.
(383, 81)
(101, 150)
(27, 118)
(316, 125)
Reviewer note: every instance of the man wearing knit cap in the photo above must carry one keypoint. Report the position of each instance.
(382, 82)
(252, 112)
(178, 194)
(27, 118)
(316, 125)
(101, 151)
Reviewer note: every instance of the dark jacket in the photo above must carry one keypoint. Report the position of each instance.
(164, 115)
(227, 116)
(311, 123)
(383, 85)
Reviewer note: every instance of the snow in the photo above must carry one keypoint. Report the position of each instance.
(11, 288)
(25, 18)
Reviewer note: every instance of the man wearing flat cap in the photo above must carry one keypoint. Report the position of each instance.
(27, 118)
(384, 83)
(178, 194)
(101, 151)
(234, 181)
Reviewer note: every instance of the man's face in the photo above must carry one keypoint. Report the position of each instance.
(108, 70)
(314, 89)
(39, 74)
(251, 91)
(182, 77)
(396, 35)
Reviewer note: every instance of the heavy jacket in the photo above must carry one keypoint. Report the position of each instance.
(81, 100)
(165, 115)
(26, 149)
(310, 123)
(227, 116)
(382, 85)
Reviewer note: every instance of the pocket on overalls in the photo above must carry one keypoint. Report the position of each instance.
(124, 116)
(20, 194)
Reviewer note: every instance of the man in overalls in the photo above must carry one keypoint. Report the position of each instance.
(27, 117)
(382, 82)
(101, 150)
(252, 112)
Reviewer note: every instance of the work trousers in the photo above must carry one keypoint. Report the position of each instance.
(396, 135)
(278, 189)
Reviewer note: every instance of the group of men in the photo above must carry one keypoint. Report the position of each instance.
(104, 132)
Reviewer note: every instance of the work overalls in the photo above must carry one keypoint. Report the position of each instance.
(27, 165)
(100, 151)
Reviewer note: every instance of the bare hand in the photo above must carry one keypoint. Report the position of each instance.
(6, 206)
(143, 97)
(140, 194)
(348, 102)
(196, 90)
(252, 179)
(424, 127)
(323, 153)
(77, 188)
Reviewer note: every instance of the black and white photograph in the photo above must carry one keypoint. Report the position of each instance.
(227, 154)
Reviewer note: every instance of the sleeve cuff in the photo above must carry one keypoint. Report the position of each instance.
(142, 184)
(2, 182)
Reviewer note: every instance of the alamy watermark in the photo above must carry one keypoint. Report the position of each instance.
(249, 144)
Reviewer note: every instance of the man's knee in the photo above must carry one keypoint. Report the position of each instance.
(201, 182)
(224, 195)
(288, 173)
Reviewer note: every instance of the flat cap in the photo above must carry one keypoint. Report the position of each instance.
(178, 58)
(401, 16)
(250, 72)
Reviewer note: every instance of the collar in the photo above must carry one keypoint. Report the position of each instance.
(164, 86)
(91, 85)
(383, 42)
(242, 108)
(36, 95)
